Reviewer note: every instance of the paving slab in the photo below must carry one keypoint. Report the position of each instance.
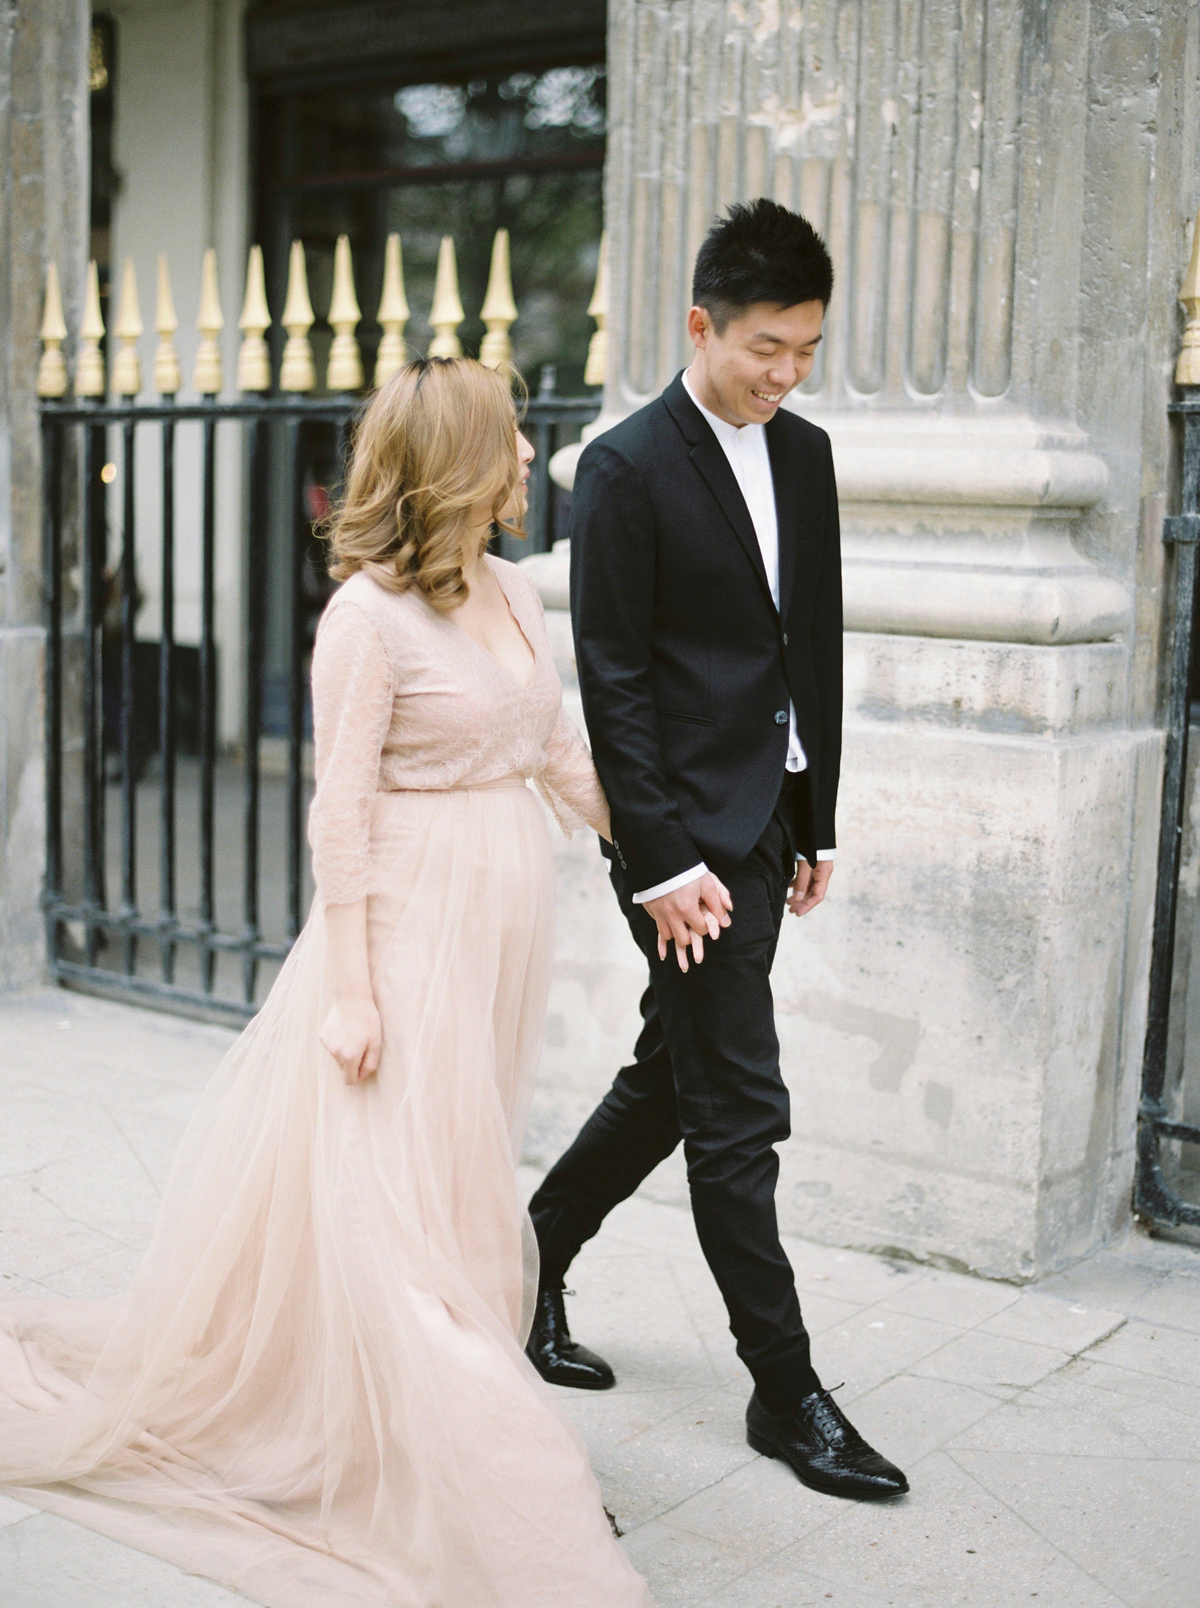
(1052, 1434)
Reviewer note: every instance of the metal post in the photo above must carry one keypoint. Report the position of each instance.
(52, 460)
(1153, 1195)
(208, 698)
(166, 708)
(297, 554)
(541, 486)
(128, 710)
(255, 645)
(94, 544)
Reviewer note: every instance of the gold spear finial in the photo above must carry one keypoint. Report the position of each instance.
(596, 371)
(127, 370)
(296, 372)
(446, 314)
(254, 357)
(345, 360)
(1187, 370)
(210, 321)
(393, 314)
(167, 374)
(89, 370)
(52, 370)
(499, 310)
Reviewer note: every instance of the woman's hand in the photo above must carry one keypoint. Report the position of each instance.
(353, 1034)
(686, 917)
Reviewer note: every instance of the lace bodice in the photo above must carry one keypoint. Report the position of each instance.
(404, 698)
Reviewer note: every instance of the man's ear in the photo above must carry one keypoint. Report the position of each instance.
(699, 326)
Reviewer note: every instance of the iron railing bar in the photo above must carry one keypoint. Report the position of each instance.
(297, 554)
(1175, 1130)
(255, 644)
(208, 693)
(1153, 1195)
(331, 410)
(166, 706)
(52, 497)
(149, 991)
(184, 932)
(128, 689)
(94, 544)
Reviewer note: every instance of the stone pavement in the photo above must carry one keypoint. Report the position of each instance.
(1052, 1435)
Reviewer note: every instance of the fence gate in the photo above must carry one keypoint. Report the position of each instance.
(176, 869)
(1168, 1177)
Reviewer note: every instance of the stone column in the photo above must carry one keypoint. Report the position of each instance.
(43, 217)
(1005, 187)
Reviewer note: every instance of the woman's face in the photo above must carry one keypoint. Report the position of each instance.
(519, 502)
(525, 456)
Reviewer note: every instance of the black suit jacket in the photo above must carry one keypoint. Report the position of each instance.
(685, 664)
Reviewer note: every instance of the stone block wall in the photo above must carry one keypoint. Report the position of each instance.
(1007, 189)
(43, 216)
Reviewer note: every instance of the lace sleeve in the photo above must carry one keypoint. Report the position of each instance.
(568, 781)
(352, 709)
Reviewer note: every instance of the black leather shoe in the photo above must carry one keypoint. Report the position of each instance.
(556, 1356)
(823, 1447)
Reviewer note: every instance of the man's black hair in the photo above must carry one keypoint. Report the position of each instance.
(761, 252)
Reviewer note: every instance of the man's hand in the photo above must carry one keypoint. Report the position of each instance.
(686, 917)
(809, 886)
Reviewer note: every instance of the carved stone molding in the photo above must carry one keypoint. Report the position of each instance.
(938, 146)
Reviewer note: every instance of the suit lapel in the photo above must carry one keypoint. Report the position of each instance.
(709, 458)
(787, 508)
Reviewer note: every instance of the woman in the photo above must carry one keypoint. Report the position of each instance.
(315, 1390)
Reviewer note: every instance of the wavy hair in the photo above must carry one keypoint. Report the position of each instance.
(436, 443)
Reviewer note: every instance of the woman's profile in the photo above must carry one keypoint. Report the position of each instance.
(315, 1390)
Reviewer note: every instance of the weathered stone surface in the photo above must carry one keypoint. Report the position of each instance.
(1007, 191)
(43, 217)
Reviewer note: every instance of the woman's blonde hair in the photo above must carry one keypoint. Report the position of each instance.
(436, 442)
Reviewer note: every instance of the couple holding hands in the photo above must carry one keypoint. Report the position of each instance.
(319, 1388)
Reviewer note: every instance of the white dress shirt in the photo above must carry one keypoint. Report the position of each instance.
(745, 446)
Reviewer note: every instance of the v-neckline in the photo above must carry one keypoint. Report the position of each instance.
(521, 686)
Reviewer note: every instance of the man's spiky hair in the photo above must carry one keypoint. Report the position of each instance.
(760, 252)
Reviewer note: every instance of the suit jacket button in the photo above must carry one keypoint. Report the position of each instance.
(785, 639)
(781, 717)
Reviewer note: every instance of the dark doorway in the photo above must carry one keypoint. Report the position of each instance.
(381, 116)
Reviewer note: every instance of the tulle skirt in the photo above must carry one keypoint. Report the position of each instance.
(315, 1390)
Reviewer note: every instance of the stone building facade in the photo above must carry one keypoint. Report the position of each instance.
(1007, 188)
(43, 216)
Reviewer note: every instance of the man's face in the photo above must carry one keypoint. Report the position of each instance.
(744, 373)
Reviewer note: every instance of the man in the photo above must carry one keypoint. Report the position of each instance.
(707, 609)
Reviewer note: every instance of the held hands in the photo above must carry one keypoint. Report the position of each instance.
(686, 917)
(809, 886)
(353, 1035)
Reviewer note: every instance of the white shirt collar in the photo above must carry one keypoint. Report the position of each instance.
(727, 434)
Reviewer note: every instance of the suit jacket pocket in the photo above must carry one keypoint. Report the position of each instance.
(691, 720)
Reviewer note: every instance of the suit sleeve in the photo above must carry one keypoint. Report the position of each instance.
(827, 662)
(613, 561)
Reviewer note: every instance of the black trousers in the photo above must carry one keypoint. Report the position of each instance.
(705, 1071)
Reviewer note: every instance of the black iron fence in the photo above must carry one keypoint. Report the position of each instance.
(175, 869)
(1162, 1135)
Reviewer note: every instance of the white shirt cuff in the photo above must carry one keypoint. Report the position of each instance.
(822, 854)
(669, 886)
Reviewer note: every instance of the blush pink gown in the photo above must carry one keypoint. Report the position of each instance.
(315, 1390)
